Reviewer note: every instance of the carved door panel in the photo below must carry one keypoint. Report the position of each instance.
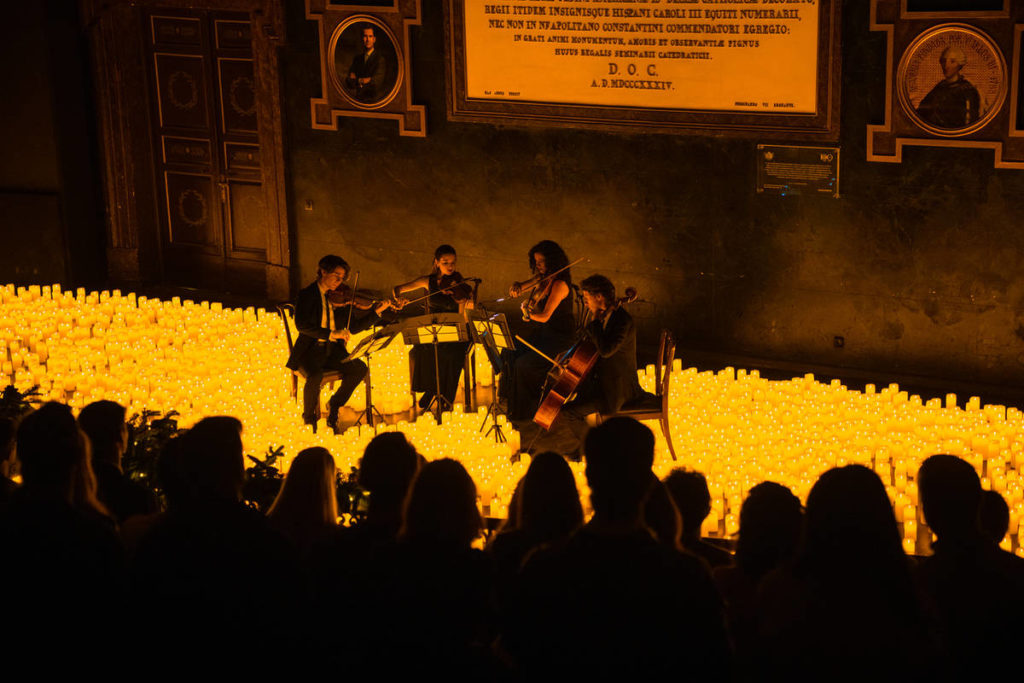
(213, 222)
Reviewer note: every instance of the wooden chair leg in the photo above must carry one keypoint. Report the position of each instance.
(668, 437)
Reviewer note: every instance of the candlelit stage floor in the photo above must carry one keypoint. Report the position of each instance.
(737, 427)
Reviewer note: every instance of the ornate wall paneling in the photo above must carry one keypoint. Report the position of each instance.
(952, 78)
(383, 87)
(215, 183)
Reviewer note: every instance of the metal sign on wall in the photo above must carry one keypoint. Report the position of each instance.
(785, 170)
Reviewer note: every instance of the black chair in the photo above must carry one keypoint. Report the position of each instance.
(287, 313)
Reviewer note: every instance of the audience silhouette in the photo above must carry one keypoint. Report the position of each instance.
(547, 511)
(104, 423)
(770, 525)
(611, 600)
(63, 562)
(690, 492)
(431, 589)
(975, 588)
(993, 516)
(847, 609)
(826, 594)
(306, 509)
(211, 569)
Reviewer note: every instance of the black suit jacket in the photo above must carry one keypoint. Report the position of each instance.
(372, 67)
(309, 310)
(615, 371)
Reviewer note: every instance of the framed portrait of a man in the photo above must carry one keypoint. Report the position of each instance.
(952, 80)
(365, 63)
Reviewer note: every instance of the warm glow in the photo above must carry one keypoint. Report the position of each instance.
(738, 428)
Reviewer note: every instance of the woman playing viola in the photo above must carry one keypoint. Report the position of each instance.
(549, 309)
(447, 293)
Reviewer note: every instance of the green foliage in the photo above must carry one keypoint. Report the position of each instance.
(263, 479)
(352, 498)
(148, 433)
(14, 404)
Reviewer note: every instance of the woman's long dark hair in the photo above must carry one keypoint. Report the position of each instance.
(554, 258)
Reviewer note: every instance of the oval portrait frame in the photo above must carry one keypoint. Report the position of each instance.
(925, 48)
(333, 67)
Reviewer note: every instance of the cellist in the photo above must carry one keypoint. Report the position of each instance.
(613, 381)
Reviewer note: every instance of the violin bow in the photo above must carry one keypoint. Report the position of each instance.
(441, 291)
(352, 304)
(539, 282)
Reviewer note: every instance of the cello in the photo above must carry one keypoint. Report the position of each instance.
(572, 368)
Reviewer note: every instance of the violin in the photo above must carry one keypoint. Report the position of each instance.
(541, 288)
(343, 295)
(538, 295)
(573, 367)
(455, 286)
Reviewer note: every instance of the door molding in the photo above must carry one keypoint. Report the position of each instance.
(114, 29)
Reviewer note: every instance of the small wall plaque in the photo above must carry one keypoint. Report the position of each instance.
(798, 170)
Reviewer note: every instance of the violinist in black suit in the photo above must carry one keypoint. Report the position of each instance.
(320, 346)
(613, 380)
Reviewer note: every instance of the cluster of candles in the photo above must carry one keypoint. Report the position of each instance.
(739, 429)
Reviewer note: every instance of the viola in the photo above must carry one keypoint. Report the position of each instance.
(573, 367)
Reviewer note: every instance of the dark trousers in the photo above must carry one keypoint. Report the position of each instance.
(572, 420)
(451, 359)
(328, 358)
(522, 380)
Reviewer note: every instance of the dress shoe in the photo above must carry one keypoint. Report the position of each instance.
(332, 422)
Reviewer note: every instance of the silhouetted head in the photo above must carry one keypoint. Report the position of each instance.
(441, 508)
(689, 490)
(388, 466)
(849, 526)
(993, 516)
(661, 515)
(770, 522)
(549, 503)
(619, 454)
(212, 464)
(103, 422)
(55, 458)
(308, 498)
(950, 494)
(51, 447)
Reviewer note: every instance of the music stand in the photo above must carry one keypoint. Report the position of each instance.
(436, 328)
(371, 343)
(493, 333)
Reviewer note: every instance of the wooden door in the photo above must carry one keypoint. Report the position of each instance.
(211, 201)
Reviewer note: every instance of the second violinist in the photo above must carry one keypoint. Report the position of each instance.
(447, 292)
(549, 308)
